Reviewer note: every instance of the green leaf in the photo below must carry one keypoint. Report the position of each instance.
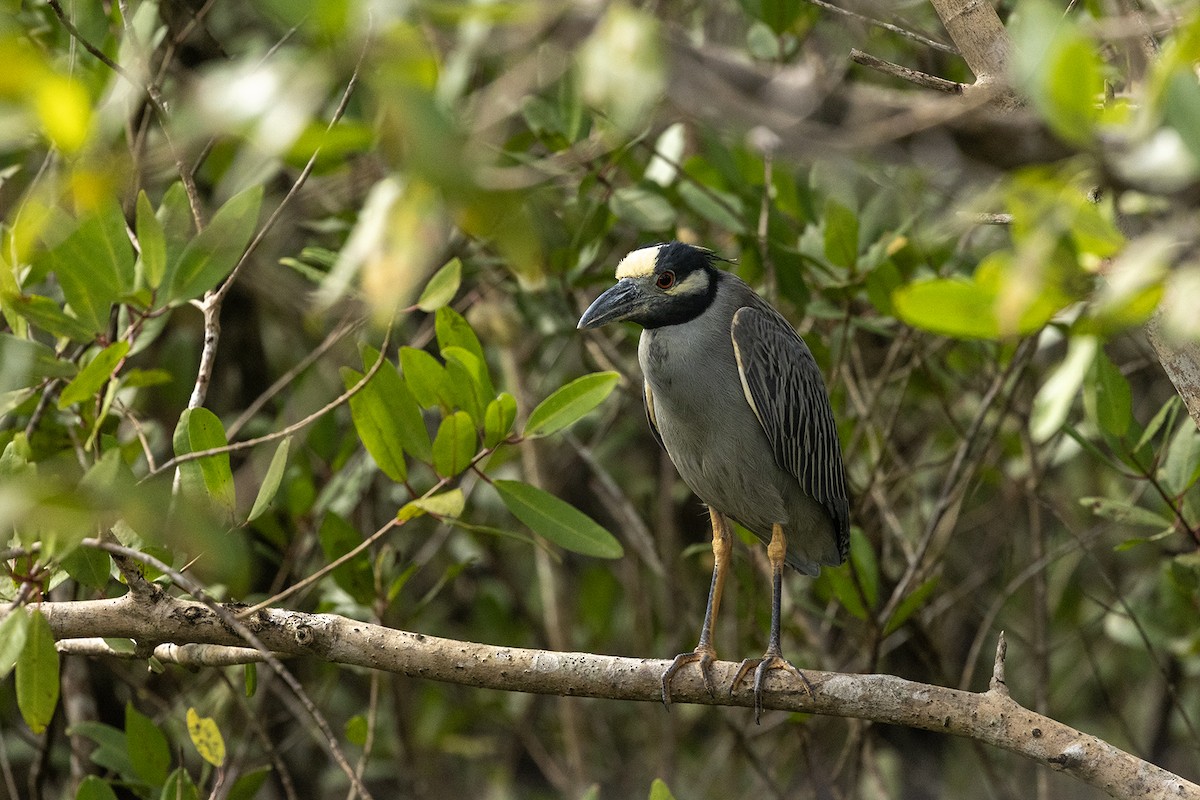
(377, 424)
(461, 390)
(152, 241)
(37, 674)
(214, 252)
(1164, 417)
(1125, 513)
(357, 729)
(94, 266)
(723, 209)
(1181, 467)
(453, 330)
(498, 419)
(841, 584)
(271, 481)
(478, 370)
(1058, 392)
(250, 678)
(1074, 89)
(1181, 108)
(25, 363)
(175, 215)
(424, 376)
(557, 521)
(124, 646)
(1107, 397)
(866, 567)
(414, 436)
(246, 787)
(1059, 68)
(447, 504)
(441, 287)
(148, 749)
(206, 736)
(14, 629)
(911, 603)
(455, 444)
(1129, 544)
(99, 370)
(660, 791)
(141, 378)
(93, 788)
(569, 403)
(112, 750)
(49, 316)
(199, 429)
(88, 566)
(355, 576)
(841, 235)
(644, 209)
(179, 786)
(949, 306)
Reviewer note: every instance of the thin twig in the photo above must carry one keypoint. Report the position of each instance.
(887, 26)
(917, 77)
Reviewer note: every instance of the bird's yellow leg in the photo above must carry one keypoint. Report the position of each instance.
(773, 658)
(705, 654)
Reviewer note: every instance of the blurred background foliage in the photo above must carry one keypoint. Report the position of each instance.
(450, 183)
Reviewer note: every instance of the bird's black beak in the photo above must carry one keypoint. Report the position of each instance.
(621, 302)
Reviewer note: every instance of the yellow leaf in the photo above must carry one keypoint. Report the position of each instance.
(206, 737)
(65, 112)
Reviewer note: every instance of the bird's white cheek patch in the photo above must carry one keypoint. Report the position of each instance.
(694, 283)
(639, 263)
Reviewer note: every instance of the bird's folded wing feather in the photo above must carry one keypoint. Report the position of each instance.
(786, 391)
(648, 399)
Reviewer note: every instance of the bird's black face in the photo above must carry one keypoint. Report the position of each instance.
(665, 284)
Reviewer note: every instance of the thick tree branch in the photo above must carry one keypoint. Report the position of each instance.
(991, 717)
(979, 36)
(1181, 362)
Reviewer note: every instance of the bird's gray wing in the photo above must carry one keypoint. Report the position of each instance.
(648, 399)
(786, 391)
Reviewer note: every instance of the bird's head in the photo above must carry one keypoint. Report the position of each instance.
(664, 284)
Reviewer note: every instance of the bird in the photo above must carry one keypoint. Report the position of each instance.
(735, 397)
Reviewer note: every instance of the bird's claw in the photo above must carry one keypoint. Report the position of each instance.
(704, 657)
(761, 667)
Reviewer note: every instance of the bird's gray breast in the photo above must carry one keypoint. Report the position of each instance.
(708, 428)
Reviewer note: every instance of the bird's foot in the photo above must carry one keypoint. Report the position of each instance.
(761, 666)
(704, 656)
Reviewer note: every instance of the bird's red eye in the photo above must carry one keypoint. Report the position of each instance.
(666, 280)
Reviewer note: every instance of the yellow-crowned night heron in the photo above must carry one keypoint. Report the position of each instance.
(734, 396)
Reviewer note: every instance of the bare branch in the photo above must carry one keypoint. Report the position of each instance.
(998, 683)
(1181, 362)
(887, 26)
(921, 79)
(185, 655)
(990, 717)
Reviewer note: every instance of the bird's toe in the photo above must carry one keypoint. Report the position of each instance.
(761, 666)
(701, 656)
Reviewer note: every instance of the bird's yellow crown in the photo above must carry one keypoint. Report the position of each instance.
(639, 263)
